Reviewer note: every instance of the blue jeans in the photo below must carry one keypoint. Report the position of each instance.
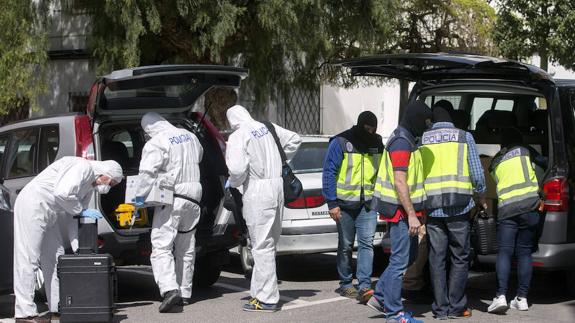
(516, 235)
(403, 253)
(362, 222)
(448, 236)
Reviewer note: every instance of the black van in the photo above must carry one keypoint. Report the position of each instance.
(490, 94)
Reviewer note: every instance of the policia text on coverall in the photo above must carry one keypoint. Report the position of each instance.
(518, 217)
(61, 191)
(254, 161)
(349, 173)
(172, 156)
(399, 196)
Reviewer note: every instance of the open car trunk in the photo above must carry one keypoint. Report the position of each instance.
(123, 142)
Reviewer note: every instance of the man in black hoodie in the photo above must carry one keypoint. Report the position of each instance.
(349, 174)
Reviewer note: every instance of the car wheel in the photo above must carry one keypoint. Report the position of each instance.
(206, 273)
(246, 259)
(570, 279)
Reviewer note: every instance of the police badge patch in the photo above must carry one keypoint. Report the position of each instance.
(349, 147)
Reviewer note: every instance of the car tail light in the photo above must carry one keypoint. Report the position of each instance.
(84, 143)
(307, 202)
(556, 192)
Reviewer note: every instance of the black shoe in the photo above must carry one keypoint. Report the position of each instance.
(186, 301)
(171, 299)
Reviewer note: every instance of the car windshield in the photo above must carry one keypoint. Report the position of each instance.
(309, 158)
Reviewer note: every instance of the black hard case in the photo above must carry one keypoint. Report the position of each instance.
(87, 282)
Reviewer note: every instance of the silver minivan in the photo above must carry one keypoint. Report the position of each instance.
(110, 129)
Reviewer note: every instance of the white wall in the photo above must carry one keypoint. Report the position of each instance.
(63, 77)
(340, 107)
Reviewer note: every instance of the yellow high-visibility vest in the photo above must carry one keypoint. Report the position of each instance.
(385, 200)
(357, 174)
(445, 168)
(517, 187)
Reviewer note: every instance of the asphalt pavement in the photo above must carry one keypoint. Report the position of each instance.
(307, 289)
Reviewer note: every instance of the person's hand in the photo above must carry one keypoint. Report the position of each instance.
(414, 224)
(138, 202)
(335, 213)
(91, 213)
(482, 201)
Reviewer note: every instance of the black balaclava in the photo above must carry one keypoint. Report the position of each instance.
(511, 137)
(362, 139)
(441, 114)
(414, 117)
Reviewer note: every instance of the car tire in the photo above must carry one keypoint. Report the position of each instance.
(570, 280)
(206, 273)
(246, 259)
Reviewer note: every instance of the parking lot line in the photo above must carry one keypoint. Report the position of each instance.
(313, 303)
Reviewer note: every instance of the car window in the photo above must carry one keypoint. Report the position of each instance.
(504, 105)
(453, 99)
(49, 146)
(125, 138)
(480, 105)
(3, 143)
(309, 157)
(24, 146)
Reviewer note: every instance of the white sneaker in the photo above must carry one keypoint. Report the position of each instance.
(499, 305)
(519, 304)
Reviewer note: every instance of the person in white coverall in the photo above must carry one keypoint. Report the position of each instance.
(63, 190)
(172, 156)
(254, 161)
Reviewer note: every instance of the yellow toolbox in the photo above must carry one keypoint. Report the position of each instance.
(124, 213)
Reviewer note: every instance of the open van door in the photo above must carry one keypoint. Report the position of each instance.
(166, 89)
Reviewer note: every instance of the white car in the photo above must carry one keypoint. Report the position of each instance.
(306, 225)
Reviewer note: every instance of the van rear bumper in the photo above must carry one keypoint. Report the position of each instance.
(548, 257)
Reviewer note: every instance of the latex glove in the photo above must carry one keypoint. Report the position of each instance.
(227, 185)
(91, 213)
(138, 202)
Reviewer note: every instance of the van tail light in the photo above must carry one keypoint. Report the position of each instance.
(84, 143)
(307, 202)
(556, 191)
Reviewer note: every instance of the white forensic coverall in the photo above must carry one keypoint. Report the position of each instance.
(58, 193)
(254, 161)
(172, 155)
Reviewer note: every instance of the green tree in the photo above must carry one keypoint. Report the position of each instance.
(544, 27)
(22, 53)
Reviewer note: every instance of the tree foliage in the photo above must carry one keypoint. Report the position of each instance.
(544, 27)
(22, 53)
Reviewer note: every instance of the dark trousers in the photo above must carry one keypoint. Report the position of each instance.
(516, 235)
(448, 237)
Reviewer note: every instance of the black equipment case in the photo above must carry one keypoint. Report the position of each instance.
(87, 281)
(484, 234)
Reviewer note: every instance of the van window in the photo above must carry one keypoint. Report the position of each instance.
(480, 105)
(3, 143)
(504, 105)
(49, 145)
(125, 138)
(24, 146)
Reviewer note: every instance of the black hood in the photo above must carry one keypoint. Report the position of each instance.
(414, 117)
(441, 114)
(363, 140)
(511, 137)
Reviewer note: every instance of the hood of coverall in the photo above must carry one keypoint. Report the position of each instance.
(108, 168)
(237, 115)
(153, 124)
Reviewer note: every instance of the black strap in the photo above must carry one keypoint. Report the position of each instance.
(272, 130)
(189, 199)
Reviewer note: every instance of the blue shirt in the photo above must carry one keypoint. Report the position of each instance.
(331, 165)
(476, 173)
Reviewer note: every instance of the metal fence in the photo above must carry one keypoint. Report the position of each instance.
(301, 110)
